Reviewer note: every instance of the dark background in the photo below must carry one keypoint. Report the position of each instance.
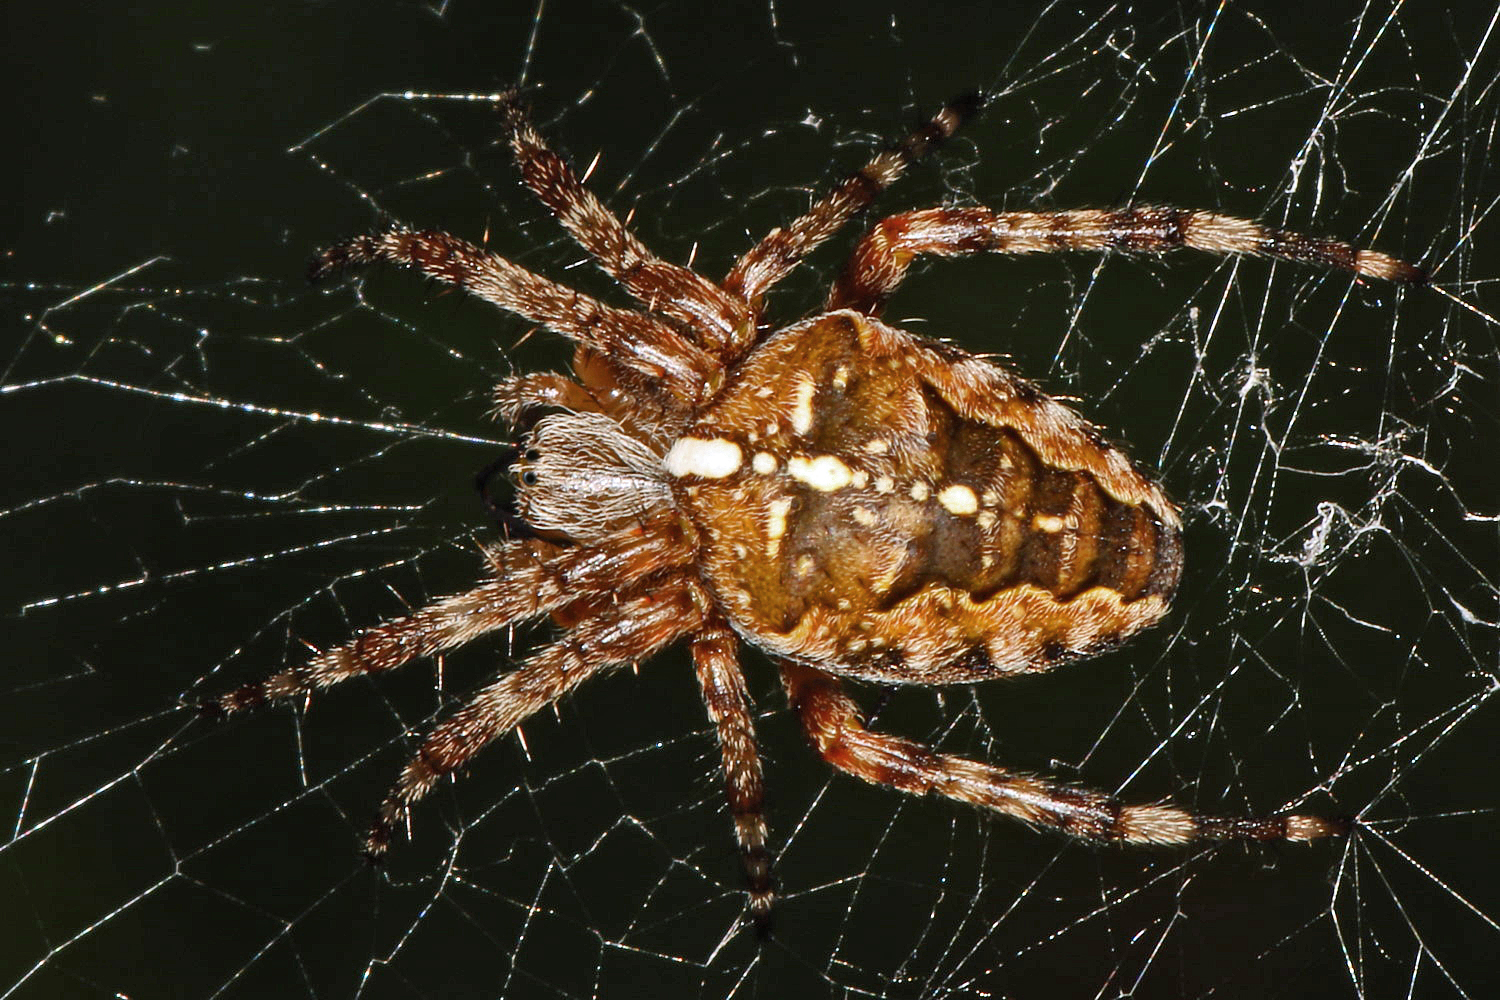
(211, 463)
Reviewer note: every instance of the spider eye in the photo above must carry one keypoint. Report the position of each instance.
(532, 454)
(528, 477)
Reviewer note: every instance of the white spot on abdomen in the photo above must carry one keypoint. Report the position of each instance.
(958, 500)
(824, 473)
(802, 405)
(776, 525)
(712, 458)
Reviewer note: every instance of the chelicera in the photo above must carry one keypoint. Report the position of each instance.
(852, 499)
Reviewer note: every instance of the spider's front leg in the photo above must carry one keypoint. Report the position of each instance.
(634, 340)
(774, 257)
(630, 630)
(715, 316)
(834, 724)
(529, 578)
(879, 263)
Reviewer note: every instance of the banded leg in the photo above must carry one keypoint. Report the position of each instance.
(774, 257)
(879, 262)
(836, 728)
(632, 339)
(728, 703)
(530, 578)
(631, 630)
(662, 287)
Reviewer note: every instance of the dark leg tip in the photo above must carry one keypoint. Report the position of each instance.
(514, 105)
(378, 840)
(970, 103)
(330, 262)
(1411, 274)
(212, 708)
(760, 917)
(355, 252)
(1342, 826)
(238, 700)
(377, 843)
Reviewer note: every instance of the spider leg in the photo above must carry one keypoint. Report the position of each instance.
(879, 262)
(665, 288)
(529, 578)
(723, 685)
(604, 388)
(631, 630)
(837, 730)
(632, 339)
(519, 396)
(774, 257)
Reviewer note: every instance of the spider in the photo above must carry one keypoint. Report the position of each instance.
(852, 499)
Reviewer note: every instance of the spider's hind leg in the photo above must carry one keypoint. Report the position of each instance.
(835, 727)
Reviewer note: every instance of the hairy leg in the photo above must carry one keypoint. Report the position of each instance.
(633, 339)
(879, 262)
(715, 656)
(662, 287)
(599, 387)
(834, 724)
(529, 578)
(631, 630)
(774, 257)
(518, 396)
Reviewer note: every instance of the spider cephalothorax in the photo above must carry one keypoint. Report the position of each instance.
(854, 500)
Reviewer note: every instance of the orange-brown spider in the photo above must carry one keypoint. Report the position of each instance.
(852, 499)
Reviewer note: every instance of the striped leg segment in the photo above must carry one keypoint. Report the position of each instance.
(633, 339)
(716, 660)
(630, 630)
(834, 724)
(880, 261)
(530, 578)
(662, 287)
(774, 257)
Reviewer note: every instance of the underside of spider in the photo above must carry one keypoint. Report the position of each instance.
(852, 499)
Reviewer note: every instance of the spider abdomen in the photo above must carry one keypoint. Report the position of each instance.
(906, 512)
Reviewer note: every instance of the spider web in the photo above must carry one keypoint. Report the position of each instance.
(213, 465)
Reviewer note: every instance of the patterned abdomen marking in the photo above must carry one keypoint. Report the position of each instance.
(912, 516)
(987, 515)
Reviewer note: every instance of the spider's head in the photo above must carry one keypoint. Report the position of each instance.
(583, 477)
